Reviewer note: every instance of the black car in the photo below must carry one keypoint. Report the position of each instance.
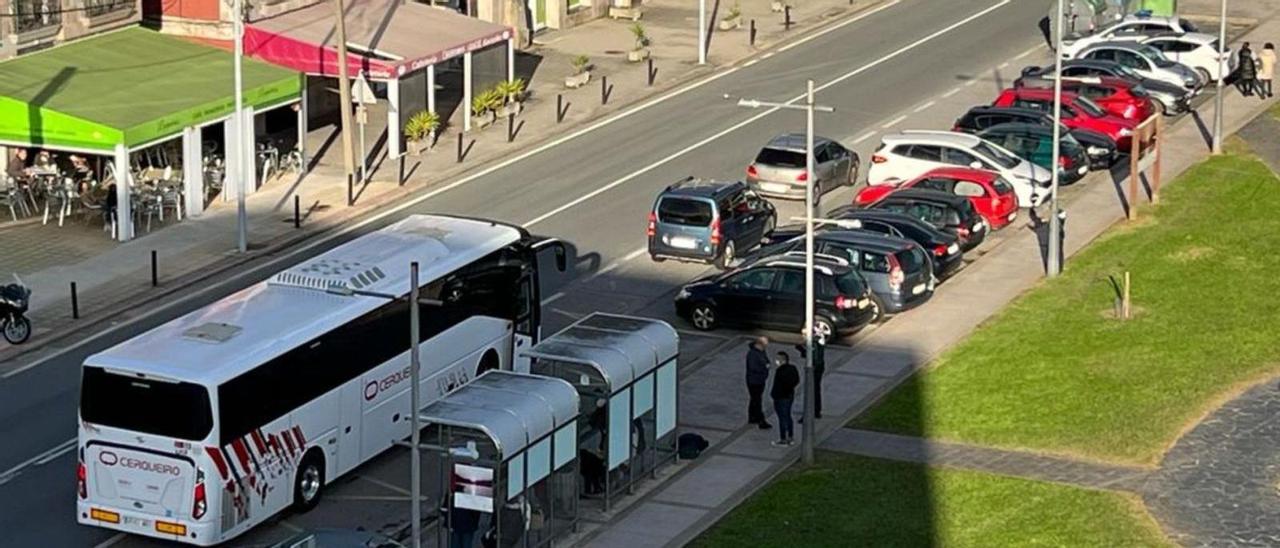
(769, 293)
(943, 246)
(1100, 148)
(1034, 144)
(949, 212)
(1169, 98)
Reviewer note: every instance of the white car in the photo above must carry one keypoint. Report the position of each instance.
(1146, 61)
(1196, 50)
(1133, 27)
(906, 155)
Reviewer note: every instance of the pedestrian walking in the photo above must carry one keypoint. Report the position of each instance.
(757, 378)
(785, 379)
(1266, 70)
(1246, 71)
(819, 367)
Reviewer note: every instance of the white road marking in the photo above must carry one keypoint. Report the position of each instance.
(1028, 52)
(768, 55)
(971, 82)
(552, 298)
(38, 460)
(950, 93)
(893, 122)
(864, 137)
(751, 62)
(104, 544)
(388, 486)
(616, 264)
(1004, 65)
(838, 26)
(924, 107)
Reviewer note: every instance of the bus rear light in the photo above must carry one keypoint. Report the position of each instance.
(82, 480)
(201, 504)
(170, 528)
(103, 515)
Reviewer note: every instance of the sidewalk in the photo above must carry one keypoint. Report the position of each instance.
(741, 461)
(114, 278)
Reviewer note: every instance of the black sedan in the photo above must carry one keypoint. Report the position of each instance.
(943, 246)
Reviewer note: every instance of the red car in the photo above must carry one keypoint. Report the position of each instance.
(1077, 112)
(1117, 96)
(991, 195)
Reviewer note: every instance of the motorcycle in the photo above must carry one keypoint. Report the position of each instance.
(14, 300)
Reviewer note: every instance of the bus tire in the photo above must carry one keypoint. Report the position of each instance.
(488, 362)
(308, 483)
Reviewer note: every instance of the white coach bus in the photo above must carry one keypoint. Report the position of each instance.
(203, 427)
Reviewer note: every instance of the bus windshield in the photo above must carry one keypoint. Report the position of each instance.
(172, 409)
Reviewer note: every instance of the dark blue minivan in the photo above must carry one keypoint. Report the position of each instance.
(706, 221)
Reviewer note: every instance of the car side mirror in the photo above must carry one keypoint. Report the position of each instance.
(975, 164)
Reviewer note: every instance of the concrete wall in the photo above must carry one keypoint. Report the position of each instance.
(57, 21)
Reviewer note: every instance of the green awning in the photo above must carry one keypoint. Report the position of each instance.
(131, 86)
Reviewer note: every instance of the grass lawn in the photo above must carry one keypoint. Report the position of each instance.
(856, 501)
(1054, 372)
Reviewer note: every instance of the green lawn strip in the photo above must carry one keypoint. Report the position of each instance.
(1054, 372)
(856, 501)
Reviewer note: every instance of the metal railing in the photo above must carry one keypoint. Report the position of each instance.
(32, 15)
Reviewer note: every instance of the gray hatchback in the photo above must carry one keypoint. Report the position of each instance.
(779, 168)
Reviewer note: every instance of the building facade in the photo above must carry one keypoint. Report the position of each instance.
(33, 25)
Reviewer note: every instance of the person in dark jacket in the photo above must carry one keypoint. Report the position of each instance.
(819, 363)
(785, 379)
(1246, 71)
(757, 378)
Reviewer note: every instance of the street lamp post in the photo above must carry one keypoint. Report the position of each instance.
(1222, 70)
(807, 428)
(702, 32)
(242, 217)
(1055, 224)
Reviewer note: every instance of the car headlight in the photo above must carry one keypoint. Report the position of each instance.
(1126, 132)
(1096, 151)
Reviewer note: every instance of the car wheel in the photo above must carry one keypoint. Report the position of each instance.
(823, 329)
(309, 481)
(853, 174)
(703, 316)
(877, 309)
(726, 256)
(1204, 75)
(1161, 108)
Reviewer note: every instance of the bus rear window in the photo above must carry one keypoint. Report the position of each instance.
(178, 410)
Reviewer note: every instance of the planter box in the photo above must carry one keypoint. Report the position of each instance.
(514, 107)
(418, 148)
(577, 80)
(637, 55)
(776, 6)
(485, 120)
(731, 23)
(633, 13)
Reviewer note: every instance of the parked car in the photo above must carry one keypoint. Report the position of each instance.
(779, 168)
(1146, 22)
(909, 154)
(707, 221)
(897, 270)
(1134, 27)
(770, 294)
(1100, 148)
(949, 212)
(1170, 99)
(943, 246)
(1118, 96)
(1196, 50)
(1035, 144)
(1077, 112)
(990, 194)
(1147, 61)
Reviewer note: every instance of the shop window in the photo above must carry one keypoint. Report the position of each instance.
(35, 15)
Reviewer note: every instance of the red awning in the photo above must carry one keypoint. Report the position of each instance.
(385, 38)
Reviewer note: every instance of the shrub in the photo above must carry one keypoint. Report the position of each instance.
(421, 125)
(511, 90)
(580, 64)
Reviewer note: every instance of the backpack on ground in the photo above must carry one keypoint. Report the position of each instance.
(690, 445)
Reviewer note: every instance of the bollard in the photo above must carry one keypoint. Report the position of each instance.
(459, 147)
(651, 72)
(604, 90)
(351, 197)
(559, 107)
(511, 125)
(786, 13)
(155, 278)
(297, 211)
(75, 303)
(753, 33)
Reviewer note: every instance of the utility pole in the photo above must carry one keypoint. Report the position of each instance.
(344, 92)
(809, 106)
(702, 32)
(1055, 224)
(415, 466)
(242, 151)
(1222, 75)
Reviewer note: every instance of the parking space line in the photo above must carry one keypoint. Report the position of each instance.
(893, 122)
(571, 315)
(1004, 65)
(950, 93)
(385, 485)
(702, 334)
(1033, 49)
(864, 137)
(43, 458)
(552, 298)
(375, 498)
(294, 528)
(924, 107)
(971, 82)
(104, 544)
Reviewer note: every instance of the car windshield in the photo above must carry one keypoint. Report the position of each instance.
(782, 158)
(851, 284)
(1000, 157)
(1089, 107)
(162, 408)
(684, 211)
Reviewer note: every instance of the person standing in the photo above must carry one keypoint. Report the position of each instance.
(819, 364)
(1266, 70)
(1246, 71)
(757, 378)
(785, 379)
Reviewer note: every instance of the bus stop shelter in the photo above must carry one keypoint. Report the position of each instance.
(624, 369)
(509, 458)
(127, 90)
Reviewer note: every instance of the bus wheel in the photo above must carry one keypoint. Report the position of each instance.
(309, 481)
(488, 362)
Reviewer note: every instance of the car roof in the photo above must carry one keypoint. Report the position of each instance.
(795, 142)
(790, 260)
(1151, 18)
(932, 137)
(1127, 45)
(702, 188)
(1017, 111)
(1067, 96)
(1193, 37)
(924, 195)
(1019, 126)
(868, 239)
(1110, 81)
(853, 212)
(966, 173)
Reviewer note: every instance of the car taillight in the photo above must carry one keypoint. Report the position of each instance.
(1065, 162)
(201, 505)
(878, 159)
(940, 250)
(803, 176)
(896, 276)
(653, 224)
(845, 303)
(715, 231)
(82, 480)
(751, 171)
(962, 232)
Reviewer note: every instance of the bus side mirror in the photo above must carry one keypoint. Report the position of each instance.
(558, 247)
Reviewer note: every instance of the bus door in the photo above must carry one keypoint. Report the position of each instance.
(527, 322)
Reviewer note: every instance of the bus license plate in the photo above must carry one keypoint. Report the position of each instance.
(140, 522)
(683, 243)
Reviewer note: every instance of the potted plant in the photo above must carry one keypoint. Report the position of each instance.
(777, 6)
(581, 72)
(513, 92)
(641, 51)
(420, 130)
(733, 19)
(484, 107)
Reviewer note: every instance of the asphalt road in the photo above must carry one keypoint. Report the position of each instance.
(594, 191)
